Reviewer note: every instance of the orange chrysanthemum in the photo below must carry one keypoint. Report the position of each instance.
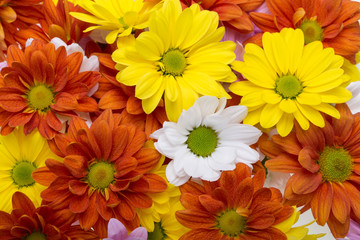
(325, 163)
(118, 97)
(28, 222)
(234, 207)
(233, 13)
(40, 84)
(15, 15)
(104, 174)
(56, 23)
(334, 22)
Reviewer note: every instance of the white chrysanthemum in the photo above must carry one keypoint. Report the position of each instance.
(207, 139)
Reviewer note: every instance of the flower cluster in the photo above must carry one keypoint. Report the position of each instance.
(179, 119)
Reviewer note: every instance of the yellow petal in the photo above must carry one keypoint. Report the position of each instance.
(328, 109)
(173, 109)
(300, 118)
(148, 85)
(285, 124)
(336, 95)
(288, 106)
(172, 89)
(308, 98)
(151, 103)
(150, 46)
(253, 117)
(312, 115)
(270, 115)
(269, 96)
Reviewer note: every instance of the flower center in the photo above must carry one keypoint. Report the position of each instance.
(174, 62)
(101, 174)
(21, 174)
(202, 141)
(40, 97)
(336, 164)
(36, 236)
(288, 86)
(312, 31)
(231, 223)
(158, 233)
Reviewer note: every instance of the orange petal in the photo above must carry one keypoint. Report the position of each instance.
(307, 158)
(338, 229)
(341, 204)
(77, 187)
(79, 204)
(21, 201)
(53, 121)
(43, 176)
(103, 137)
(195, 219)
(210, 204)
(90, 216)
(321, 203)
(283, 163)
(305, 182)
(289, 143)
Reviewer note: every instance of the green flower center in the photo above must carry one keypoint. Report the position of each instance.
(231, 223)
(36, 236)
(174, 62)
(202, 141)
(288, 86)
(158, 233)
(21, 174)
(100, 175)
(336, 164)
(40, 97)
(312, 31)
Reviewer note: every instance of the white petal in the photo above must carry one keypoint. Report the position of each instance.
(174, 136)
(211, 175)
(192, 166)
(218, 165)
(246, 154)
(173, 177)
(225, 155)
(157, 133)
(353, 103)
(240, 132)
(216, 122)
(179, 159)
(165, 147)
(28, 42)
(93, 90)
(190, 119)
(221, 106)
(207, 105)
(58, 43)
(89, 64)
(235, 114)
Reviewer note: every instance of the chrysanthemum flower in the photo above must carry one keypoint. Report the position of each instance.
(56, 22)
(234, 207)
(325, 167)
(335, 22)
(16, 15)
(30, 223)
(179, 57)
(104, 174)
(20, 155)
(121, 18)
(287, 80)
(40, 83)
(117, 231)
(207, 139)
(231, 13)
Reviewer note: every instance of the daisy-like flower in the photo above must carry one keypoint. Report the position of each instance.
(287, 80)
(167, 227)
(30, 223)
(20, 155)
(104, 174)
(231, 13)
(335, 22)
(121, 18)
(207, 139)
(179, 57)
(117, 231)
(41, 83)
(324, 163)
(234, 207)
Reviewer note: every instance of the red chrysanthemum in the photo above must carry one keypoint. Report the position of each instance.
(104, 174)
(118, 97)
(234, 207)
(57, 22)
(334, 22)
(233, 13)
(325, 163)
(40, 84)
(16, 15)
(28, 222)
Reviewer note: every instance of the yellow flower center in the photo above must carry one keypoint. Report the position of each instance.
(158, 233)
(40, 97)
(101, 175)
(36, 236)
(312, 31)
(21, 174)
(336, 164)
(288, 86)
(174, 62)
(202, 141)
(231, 223)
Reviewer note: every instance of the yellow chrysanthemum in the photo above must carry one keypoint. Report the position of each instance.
(287, 80)
(180, 56)
(296, 233)
(121, 18)
(20, 155)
